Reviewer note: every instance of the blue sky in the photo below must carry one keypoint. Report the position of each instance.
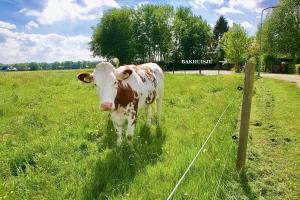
(59, 30)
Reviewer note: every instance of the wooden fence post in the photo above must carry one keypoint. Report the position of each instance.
(245, 115)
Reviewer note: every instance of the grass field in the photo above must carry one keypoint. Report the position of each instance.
(56, 144)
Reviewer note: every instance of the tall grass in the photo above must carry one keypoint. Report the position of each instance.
(56, 144)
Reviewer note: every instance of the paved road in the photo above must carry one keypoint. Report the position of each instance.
(204, 72)
(286, 77)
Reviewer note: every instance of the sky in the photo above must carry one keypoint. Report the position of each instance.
(60, 30)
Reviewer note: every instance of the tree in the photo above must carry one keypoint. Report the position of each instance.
(112, 36)
(152, 32)
(34, 66)
(181, 18)
(281, 30)
(195, 38)
(235, 44)
(220, 28)
(192, 35)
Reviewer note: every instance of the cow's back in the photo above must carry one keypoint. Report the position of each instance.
(147, 80)
(158, 73)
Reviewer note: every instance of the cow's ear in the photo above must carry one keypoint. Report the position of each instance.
(85, 77)
(124, 74)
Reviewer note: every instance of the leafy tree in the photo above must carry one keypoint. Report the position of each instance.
(235, 44)
(181, 18)
(112, 36)
(220, 28)
(192, 35)
(34, 66)
(152, 32)
(195, 38)
(281, 30)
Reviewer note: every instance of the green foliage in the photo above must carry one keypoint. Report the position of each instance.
(112, 37)
(55, 65)
(195, 39)
(152, 32)
(220, 28)
(56, 144)
(34, 66)
(281, 30)
(290, 69)
(267, 61)
(236, 43)
(146, 34)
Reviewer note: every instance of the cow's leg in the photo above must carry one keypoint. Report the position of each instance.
(159, 108)
(118, 129)
(149, 114)
(130, 130)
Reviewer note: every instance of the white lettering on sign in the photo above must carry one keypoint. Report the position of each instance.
(201, 62)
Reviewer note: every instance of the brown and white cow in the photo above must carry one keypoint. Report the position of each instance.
(124, 90)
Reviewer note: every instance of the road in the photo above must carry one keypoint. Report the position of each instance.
(286, 77)
(204, 72)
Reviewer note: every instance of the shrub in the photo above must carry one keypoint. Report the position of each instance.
(298, 68)
(290, 69)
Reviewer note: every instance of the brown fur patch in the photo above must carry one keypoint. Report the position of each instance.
(125, 95)
(129, 137)
(151, 97)
(149, 73)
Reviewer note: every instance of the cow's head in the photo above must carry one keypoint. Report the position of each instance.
(105, 77)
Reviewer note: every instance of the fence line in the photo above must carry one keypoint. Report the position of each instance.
(200, 150)
(219, 182)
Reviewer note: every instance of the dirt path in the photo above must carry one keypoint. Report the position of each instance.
(286, 77)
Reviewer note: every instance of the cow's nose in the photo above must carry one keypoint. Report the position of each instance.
(106, 106)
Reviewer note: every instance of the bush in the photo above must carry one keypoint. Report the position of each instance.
(298, 67)
(290, 69)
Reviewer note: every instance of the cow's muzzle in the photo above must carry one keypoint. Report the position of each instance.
(106, 106)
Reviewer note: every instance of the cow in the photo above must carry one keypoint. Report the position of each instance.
(123, 91)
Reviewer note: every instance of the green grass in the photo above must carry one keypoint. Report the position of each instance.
(273, 170)
(56, 144)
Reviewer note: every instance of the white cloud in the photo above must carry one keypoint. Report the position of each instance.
(235, 6)
(226, 10)
(230, 22)
(141, 3)
(7, 25)
(23, 47)
(247, 25)
(58, 10)
(201, 3)
(250, 4)
(32, 24)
